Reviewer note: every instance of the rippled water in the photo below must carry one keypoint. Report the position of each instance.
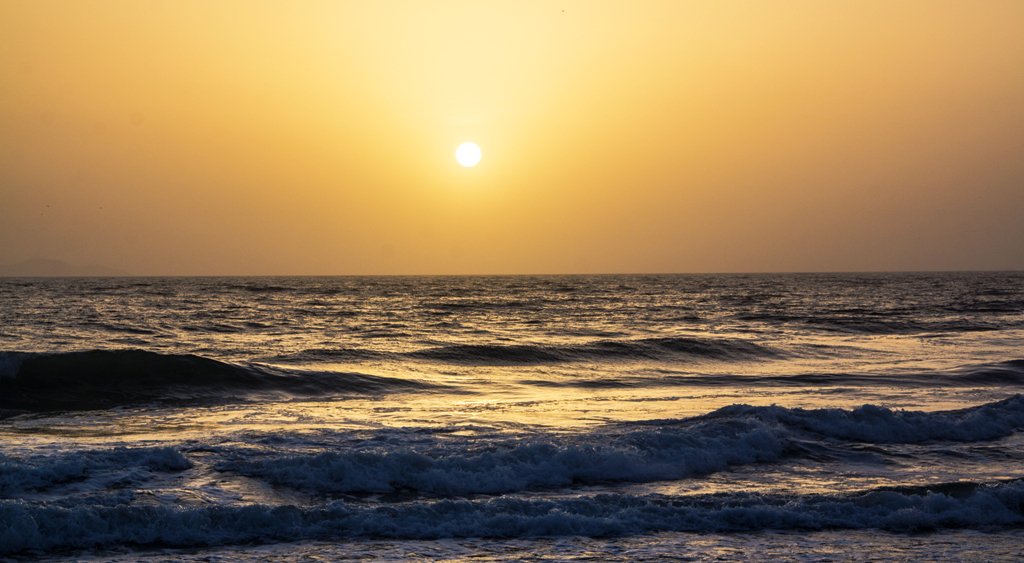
(512, 417)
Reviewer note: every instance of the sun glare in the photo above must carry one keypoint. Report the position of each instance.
(468, 154)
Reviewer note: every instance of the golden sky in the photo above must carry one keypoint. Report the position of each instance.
(245, 137)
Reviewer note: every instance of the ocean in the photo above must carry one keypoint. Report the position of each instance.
(611, 418)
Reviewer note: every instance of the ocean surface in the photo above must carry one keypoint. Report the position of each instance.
(612, 418)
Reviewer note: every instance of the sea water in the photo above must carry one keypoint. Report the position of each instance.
(620, 417)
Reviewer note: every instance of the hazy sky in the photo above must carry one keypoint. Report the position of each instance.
(197, 137)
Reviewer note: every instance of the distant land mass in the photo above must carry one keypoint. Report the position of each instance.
(41, 267)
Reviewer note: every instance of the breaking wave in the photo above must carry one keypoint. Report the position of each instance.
(908, 509)
(874, 424)
(444, 469)
(636, 452)
(38, 473)
(480, 485)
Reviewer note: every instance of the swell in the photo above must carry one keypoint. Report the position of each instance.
(655, 349)
(1000, 374)
(46, 528)
(100, 379)
(871, 323)
(666, 348)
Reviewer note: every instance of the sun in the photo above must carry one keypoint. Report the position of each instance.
(468, 154)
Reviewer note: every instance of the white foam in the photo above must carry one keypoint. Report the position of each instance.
(875, 424)
(491, 467)
(40, 472)
(45, 528)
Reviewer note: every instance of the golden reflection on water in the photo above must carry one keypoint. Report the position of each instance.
(553, 411)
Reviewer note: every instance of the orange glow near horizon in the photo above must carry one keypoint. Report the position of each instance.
(316, 138)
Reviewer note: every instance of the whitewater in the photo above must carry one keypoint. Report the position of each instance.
(618, 417)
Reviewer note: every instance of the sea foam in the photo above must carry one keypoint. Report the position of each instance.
(36, 528)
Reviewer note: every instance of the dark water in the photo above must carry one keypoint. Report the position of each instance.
(513, 417)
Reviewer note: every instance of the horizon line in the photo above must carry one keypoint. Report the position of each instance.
(496, 275)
